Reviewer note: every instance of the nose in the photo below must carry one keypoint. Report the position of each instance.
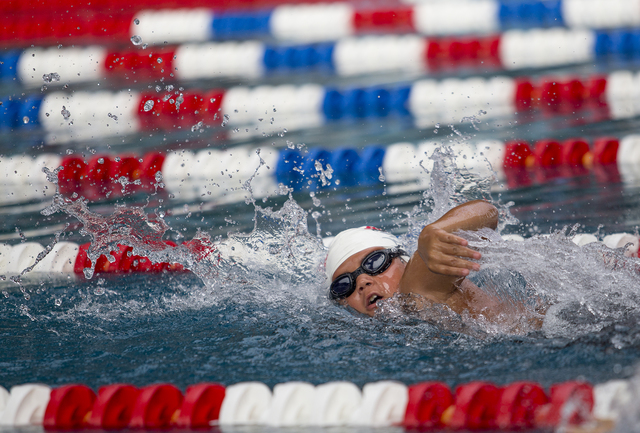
(364, 280)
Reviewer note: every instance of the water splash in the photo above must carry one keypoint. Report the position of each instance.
(582, 289)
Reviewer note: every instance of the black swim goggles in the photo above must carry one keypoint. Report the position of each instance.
(374, 263)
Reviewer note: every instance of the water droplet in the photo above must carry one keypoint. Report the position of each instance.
(99, 291)
(113, 116)
(197, 127)
(148, 105)
(25, 120)
(136, 40)
(88, 273)
(159, 60)
(58, 302)
(48, 78)
(65, 113)
(100, 160)
(226, 120)
(136, 21)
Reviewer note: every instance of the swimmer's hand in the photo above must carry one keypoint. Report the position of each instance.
(445, 253)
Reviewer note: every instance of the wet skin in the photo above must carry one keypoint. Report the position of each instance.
(371, 288)
(436, 271)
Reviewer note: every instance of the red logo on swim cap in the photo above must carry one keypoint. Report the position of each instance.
(373, 228)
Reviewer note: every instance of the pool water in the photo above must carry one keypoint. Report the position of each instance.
(263, 315)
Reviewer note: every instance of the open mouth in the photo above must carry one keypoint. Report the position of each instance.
(373, 299)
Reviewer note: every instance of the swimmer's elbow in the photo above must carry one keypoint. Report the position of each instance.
(491, 214)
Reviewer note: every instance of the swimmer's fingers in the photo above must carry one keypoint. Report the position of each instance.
(454, 272)
(450, 265)
(446, 237)
(459, 251)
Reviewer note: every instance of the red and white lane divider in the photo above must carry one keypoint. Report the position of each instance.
(88, 115)
(214, 174)
(71, 258)
(426, 406)
(548, 157)
(198, 21)
(350, 56)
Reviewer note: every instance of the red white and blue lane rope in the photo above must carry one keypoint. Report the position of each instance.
(511, 50)
(302, 22)
(428, 406)
(65, 117)
(193, 174)
(413, 54)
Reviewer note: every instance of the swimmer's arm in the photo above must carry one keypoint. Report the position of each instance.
(442, 251)
(440, 263)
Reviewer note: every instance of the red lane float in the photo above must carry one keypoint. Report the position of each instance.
(113, 408)
(605, 150)
(123, 262)
(94, 178)
(571, 403)
(547, 153)
(475, 407)
(565, 95)
(518, 405)
(398, 19)
(155, 406)
(68, 407)
(427, 404)
(201, 406)
(574, 152)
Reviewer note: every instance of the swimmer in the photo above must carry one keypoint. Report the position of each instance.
(366, 265)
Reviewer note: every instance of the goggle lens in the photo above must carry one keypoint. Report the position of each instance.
(342, 287)
(376, 262)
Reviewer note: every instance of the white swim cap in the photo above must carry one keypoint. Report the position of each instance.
(352, 241)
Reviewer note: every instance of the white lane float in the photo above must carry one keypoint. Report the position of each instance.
(620, 240)
(245, 404)
(4, 398)
(611, 398)
(26, 405)
(60, 260)
(291, 405)
(22, 256)
(514, 237)
(383, 404)
(584, 239)
(334, 403)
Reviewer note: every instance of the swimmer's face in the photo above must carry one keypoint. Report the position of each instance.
(371, 288)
